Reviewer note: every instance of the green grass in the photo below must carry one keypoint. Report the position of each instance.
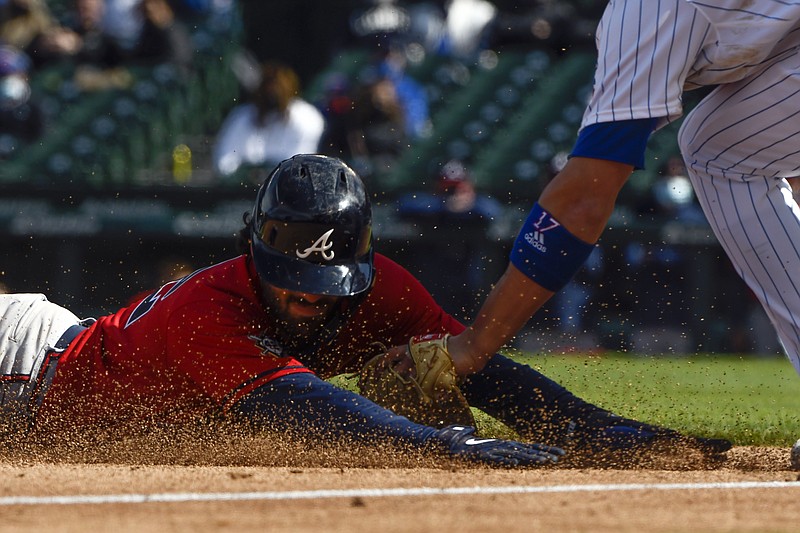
(750, 401)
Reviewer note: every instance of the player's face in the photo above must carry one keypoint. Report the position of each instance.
(303, 306)
(299, 311)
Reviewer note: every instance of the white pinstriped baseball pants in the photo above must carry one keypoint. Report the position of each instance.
(739, 145)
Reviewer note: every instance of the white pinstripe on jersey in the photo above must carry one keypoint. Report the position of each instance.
(649, 53)
(740, 142)
(644, 58)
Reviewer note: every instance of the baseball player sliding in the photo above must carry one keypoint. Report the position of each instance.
(740, 145)
(250, 339)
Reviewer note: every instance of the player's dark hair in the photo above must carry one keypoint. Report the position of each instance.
(243, 236)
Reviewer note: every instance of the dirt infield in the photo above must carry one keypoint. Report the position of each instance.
(256, 487)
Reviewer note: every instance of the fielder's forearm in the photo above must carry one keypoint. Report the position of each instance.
(552, 245)
(514, 299)
(583, 195)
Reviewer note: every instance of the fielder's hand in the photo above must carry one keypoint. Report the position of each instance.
(419, 383)
(462, 443)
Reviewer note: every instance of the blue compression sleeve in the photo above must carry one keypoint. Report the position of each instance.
(306, 404)
(546, 252)
(624, 141)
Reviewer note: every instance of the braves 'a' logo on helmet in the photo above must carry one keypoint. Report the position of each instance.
(268, 345)
(321, 245)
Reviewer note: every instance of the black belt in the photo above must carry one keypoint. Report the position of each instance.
(68, 336)
(48, 371)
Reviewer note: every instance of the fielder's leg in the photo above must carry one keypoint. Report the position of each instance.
(740, 144)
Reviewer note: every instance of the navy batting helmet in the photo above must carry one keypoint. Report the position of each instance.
(311, 228)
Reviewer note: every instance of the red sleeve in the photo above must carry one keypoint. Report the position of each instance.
(397, 308)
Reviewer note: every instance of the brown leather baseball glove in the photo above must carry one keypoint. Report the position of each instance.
(430, 396)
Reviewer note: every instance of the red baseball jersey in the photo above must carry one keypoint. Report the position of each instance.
(199, 344)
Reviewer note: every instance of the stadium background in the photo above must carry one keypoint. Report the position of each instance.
(90, 214)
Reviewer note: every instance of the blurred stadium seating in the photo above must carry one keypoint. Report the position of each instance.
(122, 137)
(103, 182)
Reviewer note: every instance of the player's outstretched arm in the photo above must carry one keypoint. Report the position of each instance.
(508, 307)
(305, 404)
(559, 234)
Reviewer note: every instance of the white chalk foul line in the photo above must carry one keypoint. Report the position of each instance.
(379, 493)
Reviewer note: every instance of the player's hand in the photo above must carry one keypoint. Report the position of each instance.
(417, 382)
(400, 360)
(461, 442)
(467, 359)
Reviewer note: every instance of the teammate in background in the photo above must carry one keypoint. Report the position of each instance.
(252, 337)
(739, 145)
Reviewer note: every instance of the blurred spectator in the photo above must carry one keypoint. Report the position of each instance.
(273, 125)
(104, 48)
(409, 93)
(386, 30)
(454, 197)
(21, 120)
(163, 38)
(375, 129)
(372, 123)
(98, 46)
(30, 26)
(457, 220)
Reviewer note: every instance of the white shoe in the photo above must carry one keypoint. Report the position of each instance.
(796, 455)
